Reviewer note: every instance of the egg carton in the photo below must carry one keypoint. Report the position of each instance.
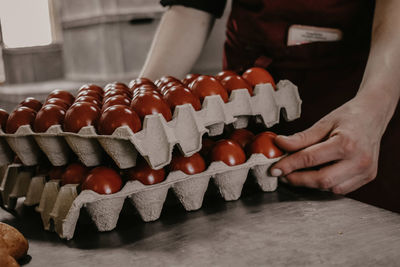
(18, 181)
(59, 206)
(155, 142)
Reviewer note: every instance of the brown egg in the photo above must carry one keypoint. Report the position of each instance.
(179, 95)
(242, 136)
(90, 93)
(257, 75)
(103, 180)
(189, 78)
(205, 86)
(143, 173)
(139, 82)
(3, 119)
(92, 87)
(19, 117)
(32, 103)
(74, 173)
(189, 165)
(223, 74)
(114, 92)
(235, 82)
(264, 143)
(229, 152)
(165, 80)
(64, 95)
(48, 116)
(117, 116)
(116, 100)
(146, 104)
(58, 102)
(88, 99)
(80, 115)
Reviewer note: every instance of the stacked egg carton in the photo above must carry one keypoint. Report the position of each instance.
(61, 204)
(156, 140)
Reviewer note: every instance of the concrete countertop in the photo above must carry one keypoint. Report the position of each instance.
(289, 227)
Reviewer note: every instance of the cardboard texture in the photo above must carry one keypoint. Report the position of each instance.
(156, 140)
(60, 206)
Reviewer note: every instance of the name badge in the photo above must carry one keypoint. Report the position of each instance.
(301, 34)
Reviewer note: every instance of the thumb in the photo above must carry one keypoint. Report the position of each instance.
(306, 138)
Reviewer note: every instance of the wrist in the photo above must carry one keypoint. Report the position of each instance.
(377, 103)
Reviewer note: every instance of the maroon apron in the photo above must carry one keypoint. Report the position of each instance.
(328, 74)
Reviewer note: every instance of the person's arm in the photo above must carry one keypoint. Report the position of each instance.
(349, 137)
(178, 42)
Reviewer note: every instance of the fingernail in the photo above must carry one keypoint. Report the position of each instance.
(276, 172)
(283, 180)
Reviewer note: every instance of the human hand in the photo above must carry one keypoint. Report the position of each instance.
(338, 153)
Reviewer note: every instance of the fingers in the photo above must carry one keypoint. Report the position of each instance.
(314, 155)
(325, 178)
(351, 184)
(312, 135)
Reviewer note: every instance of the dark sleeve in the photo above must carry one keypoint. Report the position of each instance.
(214, 7)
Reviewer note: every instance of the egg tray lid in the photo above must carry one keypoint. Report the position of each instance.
(155, 142)
(59, 206)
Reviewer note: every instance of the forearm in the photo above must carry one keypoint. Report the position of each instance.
(381, 82)
(178, 42)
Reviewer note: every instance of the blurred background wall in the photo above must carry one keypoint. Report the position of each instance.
(61, 44)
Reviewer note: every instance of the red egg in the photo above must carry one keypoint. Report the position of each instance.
(117, 116)
(92, 87)
(144, 89)
(147, 104)
(139, 82)
(119, 87)
(116, 100)
(64, 95)
(231, 83)
(205, 86)
(242, 137)
(146, 92)
(88, 99)
(74, 173)
(223, 74)
(257, 75)
(166, 79)
(145, 174)
(103, 180)
(56, 172)
(80, 115)
(264, 143)
(189, 165)
(48, 116)
(116, 85)
(58, 102)
(90, 93)
(19, 117)
(164, 89)
(229, 152)
(32, 103)
(179, 95)
(189, 78)
(114, 92)
(3, 119)
(206, 147)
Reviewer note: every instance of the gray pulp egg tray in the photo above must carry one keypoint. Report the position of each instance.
(156, 140)
(59, 206)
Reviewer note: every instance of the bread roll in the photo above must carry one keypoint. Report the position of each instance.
(6, 260)
(12, 240)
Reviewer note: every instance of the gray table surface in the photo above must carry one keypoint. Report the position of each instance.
(289, 227)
